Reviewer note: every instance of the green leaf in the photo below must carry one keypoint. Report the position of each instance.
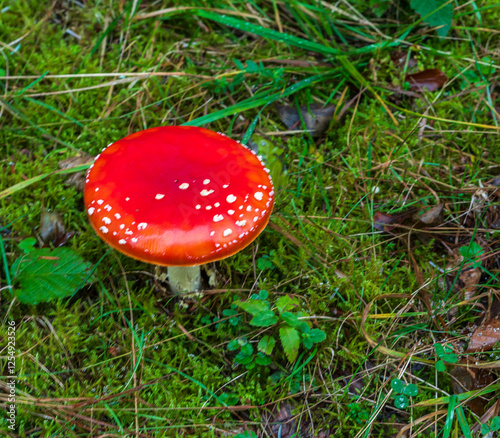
(287, 303)
(307, 343)
(233, 345)
(264, 319)
(253, 306)
(472, 253)
(290, 340)
(435, 14)
(290, 319)
(243, 359)
(397, 385)
(440, 366)
(46, 274)
(266, 345)
(262, 359)
(439, 350)
(317, 335)
(411, 390)
(263, 294)
(495, 424)
(485, 429)
(401, 402)
(27, 245)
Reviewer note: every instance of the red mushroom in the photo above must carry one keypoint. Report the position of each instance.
(178, 196)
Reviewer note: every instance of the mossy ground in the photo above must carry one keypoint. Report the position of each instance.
(120, 357)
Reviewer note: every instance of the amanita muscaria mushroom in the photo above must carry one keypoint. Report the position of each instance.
(178, 196)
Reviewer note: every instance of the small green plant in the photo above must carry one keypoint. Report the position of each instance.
(445, 354)
(403, 391)
(493, 427)
(358, 413)
(283, 318)
(472, 254)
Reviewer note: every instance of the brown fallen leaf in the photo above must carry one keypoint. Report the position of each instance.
(432, 216)
(52, 230)
(76, 179)
(282, 422)
(383, 221)
(316, 117)
(430, 80)
(465, 379)
(485, 337)
(400, 57)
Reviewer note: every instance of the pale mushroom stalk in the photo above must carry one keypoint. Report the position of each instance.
(178, 196)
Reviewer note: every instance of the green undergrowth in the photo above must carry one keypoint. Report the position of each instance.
(365, 305)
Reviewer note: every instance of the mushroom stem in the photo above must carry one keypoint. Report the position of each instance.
(184, 278)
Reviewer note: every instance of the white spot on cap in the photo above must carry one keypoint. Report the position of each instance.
(106, 220)
(241, 223)
(206, 181)
(212, 233)
(198, 207)
(90, 211)
(255, 218)
(230, 212)
(122, 226)
(241, 235)
(225, 186)
(100, 201)
(258, 196)
(114, 233)
(216, 204)
(184, 186)
(129, 232)
(249, 208)
(159, 196)
(264, 187)
(217, 245)
(208, 207)
(227, 232)
(231, 198)
(218, 218)
(127, 199)
(97, 189)
(108, 207)
(122, 241)
(141, 226)
(206, 192)
(134, 239)
(118, 215)
(104, 229)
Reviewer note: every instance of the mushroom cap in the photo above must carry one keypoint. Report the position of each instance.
(178, 196)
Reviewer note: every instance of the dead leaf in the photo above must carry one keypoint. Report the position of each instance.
(469, 379)
(430, 80)
(316, 117)
(282, 422)
(433, 215)
(76, 179)
(381, 221)
(52, 230)
(485, 336)
(399, 58)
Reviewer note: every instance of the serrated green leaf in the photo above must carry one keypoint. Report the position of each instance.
(46, 274)
(262, 359)
(264, 319)
(287, 303)
(290, 319)
(317, 335)
(253, 306)
(307, 343)
(266, 345)
(435, 14)
(243, 359)
(290, 340)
